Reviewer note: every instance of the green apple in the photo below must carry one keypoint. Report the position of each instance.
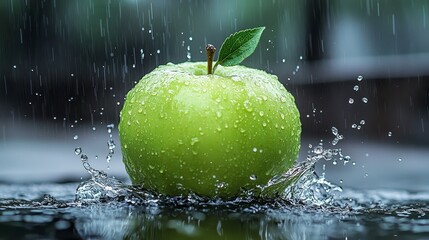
(185, 131)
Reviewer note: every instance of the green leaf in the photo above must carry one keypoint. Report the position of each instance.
(238, 46)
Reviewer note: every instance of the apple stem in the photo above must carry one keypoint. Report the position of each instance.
(210, 50)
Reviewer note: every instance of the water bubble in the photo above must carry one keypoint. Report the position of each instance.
(93, 128)
(84, 158)
(108, 158)
(110, 127)
(389, 134)
(77, 151)
(318, 150)
(400, 159)
(253, 177)
(341, 181)
(346, 159)
(356, 88)
(261, 113)
(334, 131)
(111, 144)
(351, 100)
(365, 100)
(283, 60)
(75, 137)
(354, 125)
(362, 122)
(254, 149)
(359, 78)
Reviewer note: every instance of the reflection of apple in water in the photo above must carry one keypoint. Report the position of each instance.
(183, 130)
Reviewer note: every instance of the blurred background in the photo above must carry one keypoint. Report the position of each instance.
(361, 66)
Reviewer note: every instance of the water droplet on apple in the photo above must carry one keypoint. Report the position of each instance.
(194, 140)
(282, 115)
(261, 113)
(253, 177)
(283, 99)
(248, 106)
(254, 149)
(218, 114)
(264, 124)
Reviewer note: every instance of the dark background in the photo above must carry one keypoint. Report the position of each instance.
(66, 66)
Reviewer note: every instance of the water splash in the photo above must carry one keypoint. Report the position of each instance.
(299, 185)
(100, 187)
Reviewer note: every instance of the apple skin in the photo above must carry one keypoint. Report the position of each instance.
(183, 131)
